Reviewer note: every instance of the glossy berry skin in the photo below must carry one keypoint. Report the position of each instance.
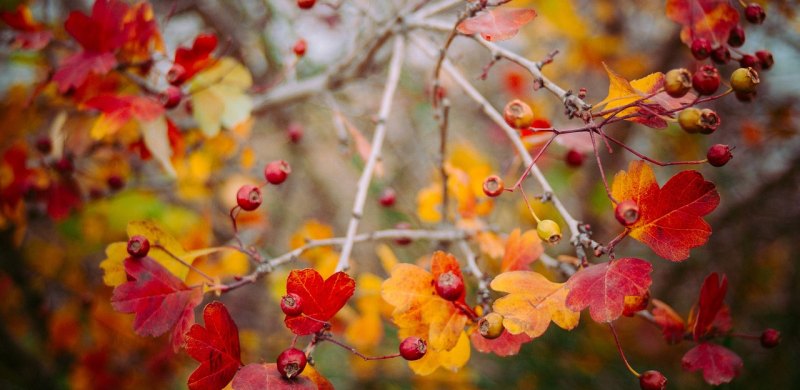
(300, 47)
(44, 145)
(518, 114)
(627, 212)
(291, 363)
(493, 186)
(138, 246)
(413, 348)
(706, 80)
(574, 158)
(491, 326)
(277, 171)
(292, 304)
(765, 59)
(749, 61)
(388, 197)
(721, 55)
(176, 75)
(449, 286)
(403, 240)
(248, 197)
(719, 155)
(754, 13)
(652, 380)
(744, 80)
(306, 4)
(678, 82)
(170, 97)
(770, 338)
(549, 231)
(736, 36)
(701, 48)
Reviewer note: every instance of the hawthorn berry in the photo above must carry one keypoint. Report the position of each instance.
(765, 59)
(64, 165)
(291, 362)
(306, 4)
(403, 240)
(549, 231)
(138, 246)
(388, 197)
(170, 97)
(754, 13)
(744, 80)
(719, 155)
(518, 114)
(627, 212)
(689, 119)
(413, 348)
(44, 145)
(295, 132)
(652, 380)
(115, 182)
(701, 48)
(574, 158)
(770, 338)
(749, 61)
(248, 197)
(493, 186)
(176, 75)
(277, 171)
(721, 55)
(300, 47)
(205, 43)
(449, 286)
(491, 326)
(678, 82)
(291, 304)
(709, 121)
(736, 36)
(706, 80)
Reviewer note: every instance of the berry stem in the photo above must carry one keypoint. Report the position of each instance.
(621, 353)
(530, 209)
(187, 265)
(355, 351)
(609, 248)
(600, 167)
(443, 122)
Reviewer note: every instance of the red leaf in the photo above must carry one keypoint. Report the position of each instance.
(443, 262)
(321, 298)
(76, 68)
(104, 31)
(671, 323)
(710, 305)
(266, 376)
(497, 24)
(719, 364)
(62, 197)
(216, 347)
(197, 57)
(505, 345)
(707, 19)
(603, 287)
(158, 298)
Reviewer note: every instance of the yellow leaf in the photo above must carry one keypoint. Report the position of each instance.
(113, 269)
(387, 257)
(452, 360)
(365, 332)
(219, 96)
(532, 302)
(621, 92)
(159, 237)
(311, 230)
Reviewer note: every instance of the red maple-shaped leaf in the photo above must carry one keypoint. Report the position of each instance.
(30, 34)
(603, 287)
(321, 299)
(216, 347)
(266, 376)
(497, 24)
(719, 364)
(506, 345)
(119, 109)
(706, 19)
(710, 314)
(159, 299)
(198, 57)
(672, 326)
(671, 220)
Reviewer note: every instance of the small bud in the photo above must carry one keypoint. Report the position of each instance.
(299, 47)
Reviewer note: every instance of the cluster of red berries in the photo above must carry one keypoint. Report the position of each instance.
(249, 196)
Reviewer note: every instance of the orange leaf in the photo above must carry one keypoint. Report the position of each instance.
(706, 19)
(498, 24)
(532, 302)
(521, 250)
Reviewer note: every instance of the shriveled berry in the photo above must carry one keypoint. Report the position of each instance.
(736, 36)
(291, 362)
(518, 114)
(176, 75)
(300, 47)
(388, 197)
(754, 13)
(719, 155)
(403, 240)
(115, 182)
(205, 43)
(678, 82)
(706, 80)
(291, 304)
(744, 80)
(689, 119)
(749, 61)
(652, 380)
(277, 171)
(549, 231)
(765, 59)
(295, 132)
(44, 145)
(306, 4)
(627, 212)
(635, 304)
(170, 97)
(449, 286)
(248, 197)
(770, 338)
(413, 348)
(138, 246)
(709, 121)
(493, 186)
(491, 325)
(574, 158)
(721, 55)
(701, 48)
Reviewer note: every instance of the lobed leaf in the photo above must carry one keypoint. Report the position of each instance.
(719, 364)
(321, 299)
(216, 347)
(532, 303)
(603, 287)
(498, 24)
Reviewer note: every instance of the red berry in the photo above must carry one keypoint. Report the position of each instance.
(701, 48)
(736, 36)
(413, 348)
(719, 155)
(709, 121)
(306, 4)
(299, 47)
(627, 212)
(295, 132)
(248, 197)
(765, 59)
(403, 240)
(754, 13)
(770, 338)
(749, 61)
(176, 75)
(138, 246)
(277, 171)
(205, 43)
(652, 380)
(115, 182)
(170, 97)
(388, 197)
(291, 304)
(493, 186)
(64, 165)
(450, 286)
(574, 158)
(706, 80)
(721, 55)
(291, 362)
(44, 145)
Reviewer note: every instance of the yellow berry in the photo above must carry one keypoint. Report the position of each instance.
(548, 231)
(518, 114)
(491, 325)
(744, 80)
